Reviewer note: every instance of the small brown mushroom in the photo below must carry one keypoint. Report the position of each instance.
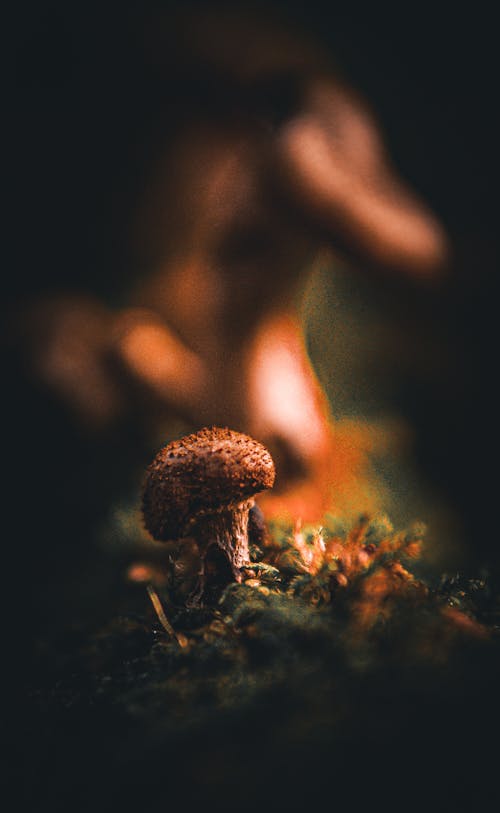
(202, 487)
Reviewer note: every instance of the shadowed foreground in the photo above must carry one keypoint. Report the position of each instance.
(332, 672)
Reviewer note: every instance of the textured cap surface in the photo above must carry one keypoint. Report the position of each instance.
(204, 471)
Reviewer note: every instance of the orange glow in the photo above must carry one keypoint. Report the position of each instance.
(286, 400)
(140, 574)
(144, 573)
(287, 405)
(155, 357)
(341, 479)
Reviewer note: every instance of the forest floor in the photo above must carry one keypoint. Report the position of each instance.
(339, 668)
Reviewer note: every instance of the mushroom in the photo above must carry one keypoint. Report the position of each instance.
(202, 487)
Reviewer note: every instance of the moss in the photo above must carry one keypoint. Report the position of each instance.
(281, 677)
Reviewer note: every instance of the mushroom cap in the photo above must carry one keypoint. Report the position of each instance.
(201, 473)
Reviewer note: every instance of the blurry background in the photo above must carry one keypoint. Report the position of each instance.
(84, 118)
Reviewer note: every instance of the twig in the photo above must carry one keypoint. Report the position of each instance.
(167, 626)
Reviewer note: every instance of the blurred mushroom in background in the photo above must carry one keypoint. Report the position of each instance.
(237, 156)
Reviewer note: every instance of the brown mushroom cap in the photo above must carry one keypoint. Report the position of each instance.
(202, 473)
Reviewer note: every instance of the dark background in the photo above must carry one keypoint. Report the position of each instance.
(82, 100)
(78, 107)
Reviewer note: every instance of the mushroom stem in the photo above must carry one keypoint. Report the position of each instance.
(228, 530)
